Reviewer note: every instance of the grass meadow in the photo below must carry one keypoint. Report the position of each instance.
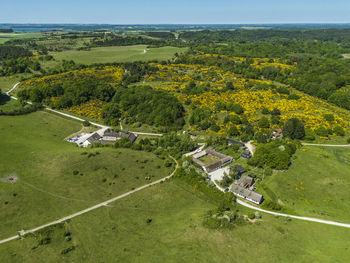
(9, 36)
(56, 178)
(118, 54)
(317, 183)
(163, 223)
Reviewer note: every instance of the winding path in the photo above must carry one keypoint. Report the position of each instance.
(105, 203)
(311, 219)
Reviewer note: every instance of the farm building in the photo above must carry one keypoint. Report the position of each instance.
(218, 159)
(245, 181)
(246, 194)
(91, 139)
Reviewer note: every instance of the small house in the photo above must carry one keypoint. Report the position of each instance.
(277, 134)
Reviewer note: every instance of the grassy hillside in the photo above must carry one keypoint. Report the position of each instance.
(123, 232)
(316, 184)
(57, 178)
(118, 54)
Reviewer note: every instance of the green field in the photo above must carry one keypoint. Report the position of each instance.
(118, 54)
(56, 178)
(346, 55)
(9, 36)
(317, 183)
(122, 232)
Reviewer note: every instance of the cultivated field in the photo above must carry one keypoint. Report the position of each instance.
(56, 178)
(317, 183)
(118, 54)
(163, 223)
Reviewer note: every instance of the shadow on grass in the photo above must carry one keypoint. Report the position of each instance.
(4, 99)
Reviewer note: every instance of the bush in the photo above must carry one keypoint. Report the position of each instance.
(339, 131)
(272, 205)
(283, 90)
(322, 131)
(264, 123)
(275, 112)
(251, 215)
(86, 123)
(328, 117)
(265, 111)
(293, 97)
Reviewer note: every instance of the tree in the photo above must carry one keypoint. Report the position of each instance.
(233, 131)
(275, 112)
(328, 117)
(294, 129)
(264, 122)
(265, 111)
(111, 112)
(339, 131)
(322, 131)
(229, 85)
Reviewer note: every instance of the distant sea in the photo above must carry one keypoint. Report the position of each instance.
(36, 29)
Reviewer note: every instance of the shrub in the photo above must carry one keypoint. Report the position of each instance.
(251, 215)
(283, 90)
(339, 131)
(265, 111)
(264, 123)
(293, 97)
(322, 131)
(272, 205)
(275, 112)
(329, 117)
(86, 123)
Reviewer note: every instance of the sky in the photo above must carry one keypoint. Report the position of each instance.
(174, 12)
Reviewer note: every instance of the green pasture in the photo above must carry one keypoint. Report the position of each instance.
(9, 36)
(317, 183)
(56, 178)
(163, 223)
(118, 54)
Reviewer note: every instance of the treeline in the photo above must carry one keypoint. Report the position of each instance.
(241, 35)
(12, 52)
(115, 40)
(277, 48)
(158, 34)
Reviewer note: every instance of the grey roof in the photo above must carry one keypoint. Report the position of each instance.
(131, 136)
(246, 181)
(112, 134)
(246, 193)
(94, 137)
